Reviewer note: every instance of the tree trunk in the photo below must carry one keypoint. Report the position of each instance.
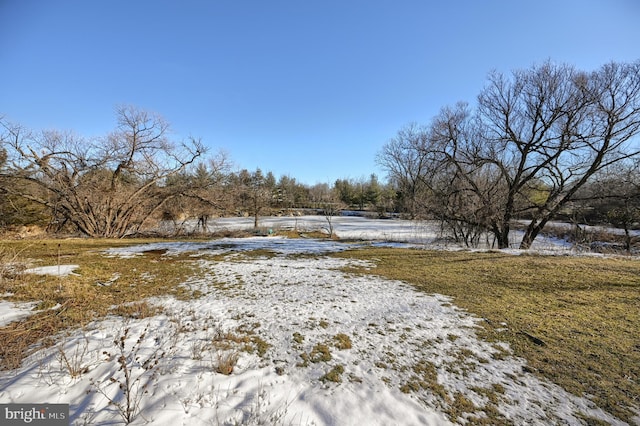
(627, 238)
(502, 235)
(532, 232)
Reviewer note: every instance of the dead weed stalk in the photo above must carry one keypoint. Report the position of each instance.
(134, 377)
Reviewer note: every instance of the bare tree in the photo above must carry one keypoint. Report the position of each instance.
(201, 193)
(560, 127)
(614, 198)
(106, 187)
(326, 198)
(534, 140)
(404, 159)
(432, 165)
(253, 192)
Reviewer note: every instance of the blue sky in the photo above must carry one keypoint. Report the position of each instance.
(312, 89)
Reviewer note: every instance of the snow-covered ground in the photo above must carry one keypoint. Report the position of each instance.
(10, 311)
(409, 354)
(56, 270)
(360, 228)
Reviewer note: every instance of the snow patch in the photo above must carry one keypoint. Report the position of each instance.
(10, 311)
(56, 270)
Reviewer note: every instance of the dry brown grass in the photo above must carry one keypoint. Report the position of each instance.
(226, 362)
(575, 319)
(100, 284)
(334, 375)
(342, 341)
(303, 234)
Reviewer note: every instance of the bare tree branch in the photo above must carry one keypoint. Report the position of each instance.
(108, 187)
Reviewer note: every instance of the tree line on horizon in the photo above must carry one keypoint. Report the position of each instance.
(542, 143)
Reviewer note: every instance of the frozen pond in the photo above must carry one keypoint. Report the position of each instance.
(425, 233)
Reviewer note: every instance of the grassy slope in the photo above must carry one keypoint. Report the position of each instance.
(575, 320)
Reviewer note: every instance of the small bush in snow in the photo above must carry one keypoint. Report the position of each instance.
(134, 376)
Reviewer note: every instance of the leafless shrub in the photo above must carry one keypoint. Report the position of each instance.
(225, 362)
(11, 266)
(197, 349)
(134, 376)
(107, 187)
(74, 361)
(592, 239)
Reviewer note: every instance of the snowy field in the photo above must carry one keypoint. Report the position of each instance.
(425, 233)
(337, 349)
